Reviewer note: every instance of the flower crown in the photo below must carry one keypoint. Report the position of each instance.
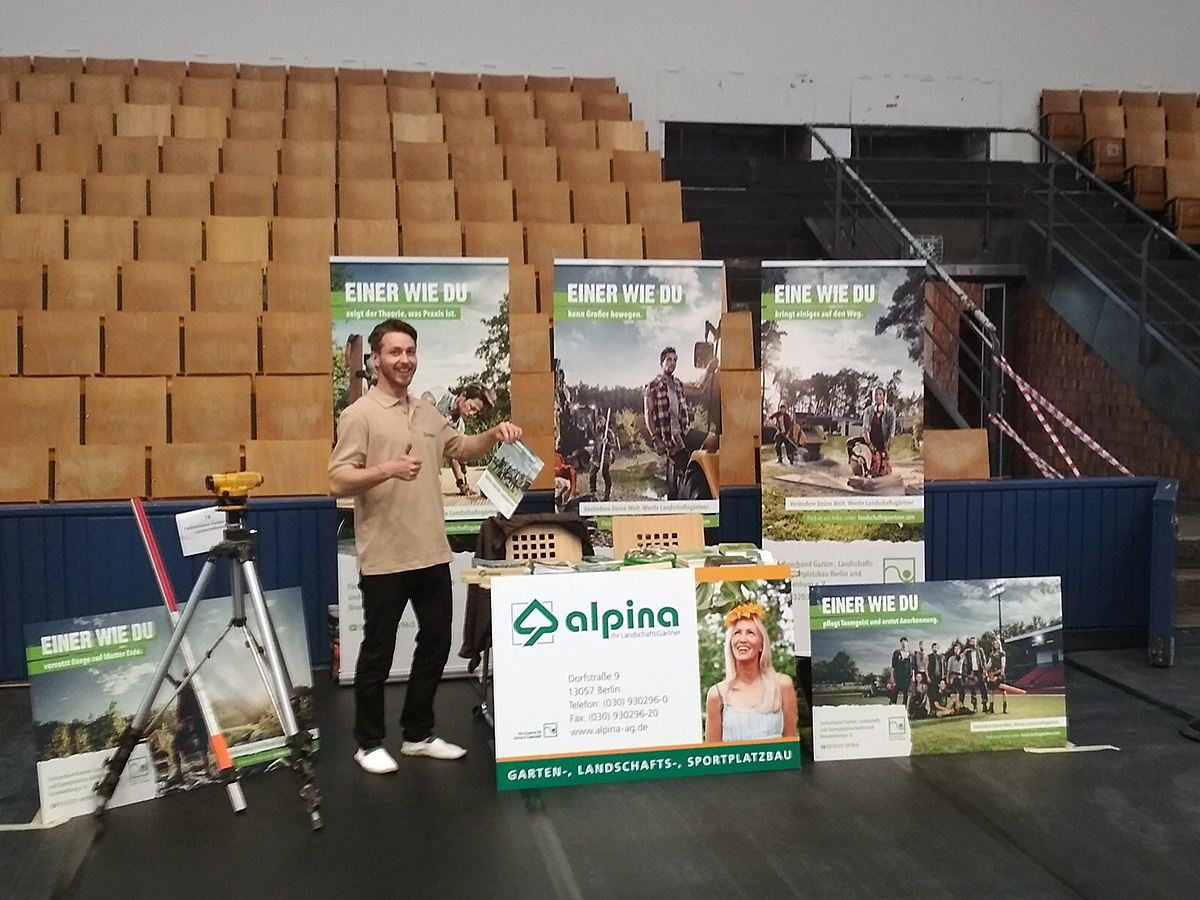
(744, 611)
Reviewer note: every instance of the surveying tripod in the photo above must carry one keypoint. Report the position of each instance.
(238, 546)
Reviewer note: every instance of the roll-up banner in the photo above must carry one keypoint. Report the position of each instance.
(843, 396)
(459, 308)
(637, 403)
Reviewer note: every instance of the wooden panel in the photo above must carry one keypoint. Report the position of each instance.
(74, 154)
(191, 156)
(529, 342)
(199, 71)
(365, 127)
(47, 408)
(170, 239)
(220, 343)
(22, 122)
(92, 120)
(522, 289)
(596, 84)
(150, 286)
(21, 284)
(256, 124)
(51, 193)
(956, 455)
(301, 240)
(599, 204)
(290, 468)
(614, 241)
(496, 239)
(306, 95)
(300, 157)
(485, 201)
(652, 203)
(367, 198)
(8, 193)
(431, 239)
(418, 128)
(125, 410)
(229, 287)
(415, 101)
(533, 401)
(296, 343)
(298, 287)
(171, 69)
(467, 81)
(738, 460)
(738, 340)
(96, 237)
(422, 161)
(141, 343)
(543, 202)
(18, 152)
(210, 408)
(621, 135)
(493, 83)
(521, 132)
(25, 476)
(113, 472)
(81, 286)
(236, 239)
(365, 159)
(154, 90)
(672, 240)
(306, 197)
(100, 66)
(181, 195)
(612, 107)
(145, 119)
(586, 166)
(426, 201)
(510, 105)
(545, 243)
(117, 195)
(32, 236)
(366, 237)
(50, 87)
(465, 131)
(293, 408)
(8, 340)
(207, 92)
(468, 102)
(210, 122)
(528, 164)
(361, 98)
(310, 125)
(259, 94)
(548, 83)
(741, 402)
(556, 106)
(179, 470)
(636, 165)
(394, 78)
(477, 163)
(243, 195)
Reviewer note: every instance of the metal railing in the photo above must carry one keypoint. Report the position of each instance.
(960, 340)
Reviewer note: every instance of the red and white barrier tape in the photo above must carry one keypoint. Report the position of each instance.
(1047, 470)
(1036, 400)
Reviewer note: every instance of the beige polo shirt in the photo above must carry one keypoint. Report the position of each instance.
(398, 525)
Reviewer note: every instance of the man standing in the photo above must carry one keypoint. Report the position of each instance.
(935, 668)
(669, 419)
(879, 427)
(605, 450)
(921, 661)
(975, 672)
(387, 457)
(902, 669)
(954, 671)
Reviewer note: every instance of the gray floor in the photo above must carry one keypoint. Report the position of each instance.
(1102, 824)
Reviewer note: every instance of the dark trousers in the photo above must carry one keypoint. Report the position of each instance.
(384, 599)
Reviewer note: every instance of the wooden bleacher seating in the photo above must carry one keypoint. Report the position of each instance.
(367, 198)
(302, 240)
(470, 130)
(181, 195)
(216, 92)
(477, 162)
(1183, 198)
(1183, 145)
(44, 88)
(221, 70)
(1132, 99)
(1145, 179)
(413, 101)
(220, 343)
(293, 408)
(260, 94)
(456, 81)
(607, 106)
(558, 106)
(156, 287)
(599, 204)
(372, 126)
(210, 408)
(495, 239)
(677, 240)
(613, 241)
(365, 159)
(243, 195)
(636, 166)
(458, 103)
(102, 66)
(655, 203)
(431, 238)
(129, 156)
(303, 287)
(33, 236)
(546, 242)
(52, 193)
(179, 469)
(305, 157)
(21, 287)
(128, 410)
(306, 196)
(99, 237)
(191, 156)
(170, 239)
(360, 76)
(256, 124)
(366, 237)
(422, 161)
(503, 105)
(232, 287)
(418, 128)
(406, 79)
(543, 202)
(154, 90)
(493, 83)
(146, 120)
(99, 89)
(521, 132)
(237, 238)
(567, 134)
(162, 68)
(525, 164)
(1061, 119)
(425, 201)
(579, 166)
(100, 472)
(485, 201)
(93, 119)
(295, 467)
(18, 152)
(296, 343)
(47, 408)
(44, 352)
(535, 83)
(310, 124)
(75, 154)
(141, 343)
(86, 285)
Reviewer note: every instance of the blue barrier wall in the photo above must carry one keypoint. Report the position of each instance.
(1111, 540)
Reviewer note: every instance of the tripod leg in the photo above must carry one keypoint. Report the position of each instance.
(137, 727)
(280, 684)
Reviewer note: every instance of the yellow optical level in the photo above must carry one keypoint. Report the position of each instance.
(233, 484)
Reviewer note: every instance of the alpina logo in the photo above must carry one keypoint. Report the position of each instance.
(534, 622)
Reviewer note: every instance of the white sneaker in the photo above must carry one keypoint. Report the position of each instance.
(433, 747)
(377, 761)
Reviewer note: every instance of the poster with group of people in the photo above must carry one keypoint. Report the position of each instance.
(637, 402)
(644, 673)
(937, 667)
(459, 308)
(843, 396)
